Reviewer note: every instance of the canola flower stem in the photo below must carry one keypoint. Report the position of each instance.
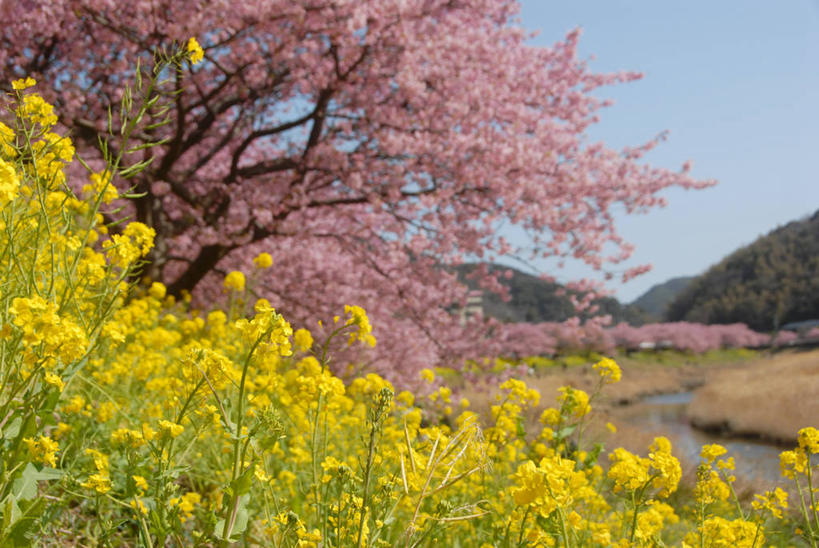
(734, 495)
(323, 360)
(756, 533)
(523, 522)
(145, 530)
(325, 437)
(633, 518)
(702, 525)
(636, 502)
(805, 512)
(338, 513)
(234, 503)
(314, 457)
(422, 494)
(409, 447)
(215, 396)
(810, 490)
(365, 499)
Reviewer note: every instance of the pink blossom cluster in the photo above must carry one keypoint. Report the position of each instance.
(687, 336)
(363, 144)
(813, 334)
(523, 339)
(784, 338)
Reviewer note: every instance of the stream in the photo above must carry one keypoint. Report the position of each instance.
(756, 461)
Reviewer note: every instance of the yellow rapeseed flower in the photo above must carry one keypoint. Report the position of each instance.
(263, 260)
(809, 439)
(9, 183)
(608, 370)
(101, 185)
(428, 375)
(7, 140)
(170, 428)
(303, 340)
(141, 483)
(773, 501)
(36, 109)
(43, 450)
(712, 451)
(157, 290)
(99, 482)
(235, 281)
(195, 51)
(358, 318)
(24, 83)
(54, 380)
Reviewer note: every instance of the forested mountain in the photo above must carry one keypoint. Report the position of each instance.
(535, 300)
(773, 281)
(655, 301)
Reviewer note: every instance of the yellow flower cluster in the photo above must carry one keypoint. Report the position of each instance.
(235, 281)
(123, 250)
(100, 481)
(608, 370)
(211, 427)
(358, 318)
(101, 186)
(263, 260)
(661, 470)
(195, 51)
(9, 182)
(43, 450)
(738, 533)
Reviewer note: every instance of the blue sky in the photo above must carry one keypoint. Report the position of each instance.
(737, 86)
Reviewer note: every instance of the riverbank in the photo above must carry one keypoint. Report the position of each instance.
(771, 398)
(766, 398)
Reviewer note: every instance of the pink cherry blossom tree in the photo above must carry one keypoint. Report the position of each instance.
(363, 143)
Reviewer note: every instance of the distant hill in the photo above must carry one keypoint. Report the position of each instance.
(535, 300)
(655, 301)
(773, 281)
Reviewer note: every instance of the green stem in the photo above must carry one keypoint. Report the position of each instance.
(314, 457)
(522, 523)
(805, 511)
(810, 490)
(237, 464)
(702, 525)
(366, 495)
(756, 533)
(633, 519)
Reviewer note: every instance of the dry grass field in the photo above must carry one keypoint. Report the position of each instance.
(770, 398)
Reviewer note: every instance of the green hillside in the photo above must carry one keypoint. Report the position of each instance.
(655, 301)
(773, 281)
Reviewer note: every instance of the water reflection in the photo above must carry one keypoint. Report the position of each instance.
(756, 461)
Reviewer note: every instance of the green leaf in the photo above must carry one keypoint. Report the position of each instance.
(11, 513)
(25, 487)
(521, 429)
(13, 428)
(239, 525)
(566, 431)
(243, 483)
(241, 521)
(23, 531)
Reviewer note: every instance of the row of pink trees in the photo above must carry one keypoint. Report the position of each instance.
(364, 144)
(524, 339)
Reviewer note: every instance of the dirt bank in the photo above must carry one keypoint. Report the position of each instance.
(770, 398)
